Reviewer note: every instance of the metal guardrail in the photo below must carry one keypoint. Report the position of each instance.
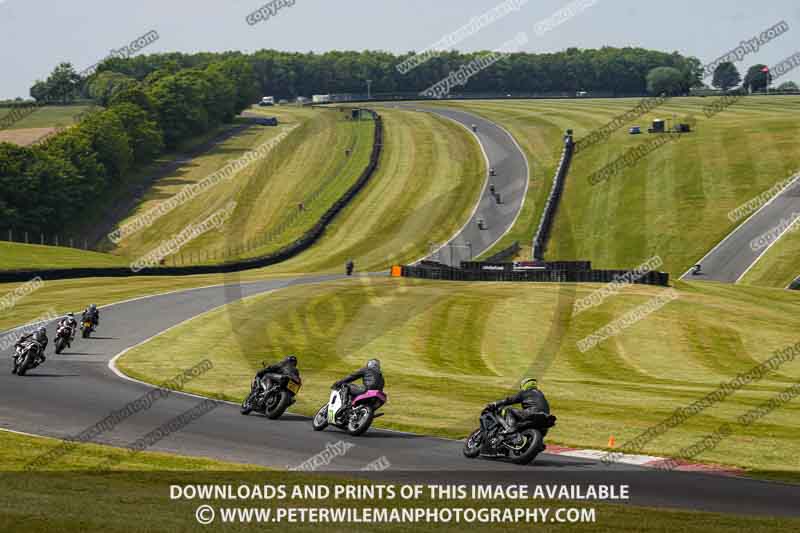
(542, 236)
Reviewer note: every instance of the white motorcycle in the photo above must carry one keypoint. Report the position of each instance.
(355, 416)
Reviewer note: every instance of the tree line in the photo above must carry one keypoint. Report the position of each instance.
(150, 103)
(46, 186)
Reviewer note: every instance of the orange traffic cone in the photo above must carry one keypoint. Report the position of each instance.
(611, 441)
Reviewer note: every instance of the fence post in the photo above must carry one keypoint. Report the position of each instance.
(41, 235)
(26, 237)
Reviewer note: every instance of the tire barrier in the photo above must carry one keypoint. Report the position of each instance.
(303, 243)
(551, 206)
(507, 272)
(572, 266)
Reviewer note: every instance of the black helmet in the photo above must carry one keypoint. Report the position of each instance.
(292, 360)
(41, 333)
(375, 364)
(92, 307)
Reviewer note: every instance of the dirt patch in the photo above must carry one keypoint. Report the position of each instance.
(24, 137)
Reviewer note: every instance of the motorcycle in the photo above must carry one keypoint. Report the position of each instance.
(274, 401)
(63, 338)
(26, 357)
(87, 328)
(354, 416)
(520, 446)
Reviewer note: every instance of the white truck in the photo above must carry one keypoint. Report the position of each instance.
(267, 101)
(320, 98)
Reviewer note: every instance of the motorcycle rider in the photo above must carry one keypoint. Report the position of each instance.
(92, 315)
(349, 267)
(532, 400)
(38, 337)
(371, 375)
(274, 373)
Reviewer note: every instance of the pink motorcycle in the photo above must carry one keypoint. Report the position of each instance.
(354, 417)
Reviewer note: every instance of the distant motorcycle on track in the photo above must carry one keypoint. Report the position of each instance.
(521, 446)
(63, 338)
(26, 357)
(87, 328)
(353, 416)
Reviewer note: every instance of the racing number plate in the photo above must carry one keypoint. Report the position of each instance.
(292, 386)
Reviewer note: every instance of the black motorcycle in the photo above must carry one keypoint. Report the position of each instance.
(63, 338)
(272, 402)
(26, 357)
(520, 446)
(87, 328)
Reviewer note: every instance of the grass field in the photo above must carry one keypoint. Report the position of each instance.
(14, 256)
(672, 203)
(51, 116)
(135, 496)
(428, 181)
(462, 345)
(284, 167)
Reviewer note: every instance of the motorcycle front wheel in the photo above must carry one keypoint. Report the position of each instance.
(23, 365)
(277, 404)
(360, 420)
(528, 449)
(320, 420)
(60, 343)
(247, 404)
(472, 446)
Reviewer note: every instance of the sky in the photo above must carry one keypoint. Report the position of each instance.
(36, 35)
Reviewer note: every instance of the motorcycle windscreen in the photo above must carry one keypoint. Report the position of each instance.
(334, 404)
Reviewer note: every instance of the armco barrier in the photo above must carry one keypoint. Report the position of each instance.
(551, 206)
(301, 244)
(556, 276)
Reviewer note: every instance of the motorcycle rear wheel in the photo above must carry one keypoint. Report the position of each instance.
(472, 446)
(276, 408)
(357, 427)
(320, 420)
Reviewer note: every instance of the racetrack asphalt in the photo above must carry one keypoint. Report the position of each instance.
(74, 391)
(510, 183)
(730, 260)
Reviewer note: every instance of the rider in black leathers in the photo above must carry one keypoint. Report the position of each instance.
(371, 376)
(532, 400)
(40, 337)
(287, 367)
